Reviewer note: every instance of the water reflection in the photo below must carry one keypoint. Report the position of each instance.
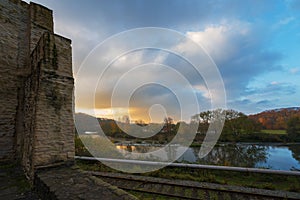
(238, 155)
(170, 153)
(295, 149)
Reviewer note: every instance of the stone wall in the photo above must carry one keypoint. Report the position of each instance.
(14, 53)
(54, 125)
(41, 21)
(36, 88)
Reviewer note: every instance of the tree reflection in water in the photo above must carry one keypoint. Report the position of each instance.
(169, 154)
(295, 149)
(236, 155)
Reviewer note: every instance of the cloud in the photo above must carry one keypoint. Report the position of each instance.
(236, 34)
(283, 22)
(294, 5)
(238, 50)
(273, 89)
(111, 17)
(286, 21)
(252, 106)
(295, 70)
(222, 41)
(263, 103)
(274, 83)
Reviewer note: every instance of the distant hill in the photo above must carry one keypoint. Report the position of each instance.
(86, 123)
(277, 118)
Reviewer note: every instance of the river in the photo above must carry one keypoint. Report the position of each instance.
(270, 156)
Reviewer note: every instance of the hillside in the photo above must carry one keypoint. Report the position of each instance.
(276, 119)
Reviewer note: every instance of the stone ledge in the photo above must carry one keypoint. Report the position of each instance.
(62, 183)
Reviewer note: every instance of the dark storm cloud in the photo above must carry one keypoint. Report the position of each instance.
(263, 102)
(273, 89)
(237, 35)
(251, 106)
(239, 72)
(118, 15)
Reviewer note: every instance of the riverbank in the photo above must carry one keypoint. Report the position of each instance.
(237, 154)
(270, 136)
(252, 180)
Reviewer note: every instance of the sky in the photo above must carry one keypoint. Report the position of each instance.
(253, 43)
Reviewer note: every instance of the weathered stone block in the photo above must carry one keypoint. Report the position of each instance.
(41, 16)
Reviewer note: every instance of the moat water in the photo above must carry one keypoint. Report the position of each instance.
(270, 156)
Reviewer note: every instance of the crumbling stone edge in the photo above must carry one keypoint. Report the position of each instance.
(60, 183)
(114, 189)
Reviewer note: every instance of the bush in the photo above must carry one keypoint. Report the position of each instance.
(293, 129)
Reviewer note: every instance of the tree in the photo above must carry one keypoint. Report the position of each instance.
(293, 128)
(203, 119)
(140, 122)
(125, 119)
(168, 121)
(234, 122)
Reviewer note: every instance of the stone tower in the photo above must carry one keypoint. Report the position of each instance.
(36, 88)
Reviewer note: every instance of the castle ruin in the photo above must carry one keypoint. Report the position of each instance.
(36, 88)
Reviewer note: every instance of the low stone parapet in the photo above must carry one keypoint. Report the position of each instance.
(64, 183)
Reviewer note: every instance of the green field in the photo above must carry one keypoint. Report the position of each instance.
(277, 132)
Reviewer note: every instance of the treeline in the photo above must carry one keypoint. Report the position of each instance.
(235, 122)
(238, 127)
(164, 132)
(276, 119)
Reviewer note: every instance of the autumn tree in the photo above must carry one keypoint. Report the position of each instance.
(276, 119)
(293, 128)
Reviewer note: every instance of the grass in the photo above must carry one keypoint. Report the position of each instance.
(146, 196)
(275, 132)
(254, 180)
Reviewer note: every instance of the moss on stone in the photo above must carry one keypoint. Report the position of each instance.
(54, 58)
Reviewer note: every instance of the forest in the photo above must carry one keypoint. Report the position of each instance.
(276, 119)
(281, 125)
